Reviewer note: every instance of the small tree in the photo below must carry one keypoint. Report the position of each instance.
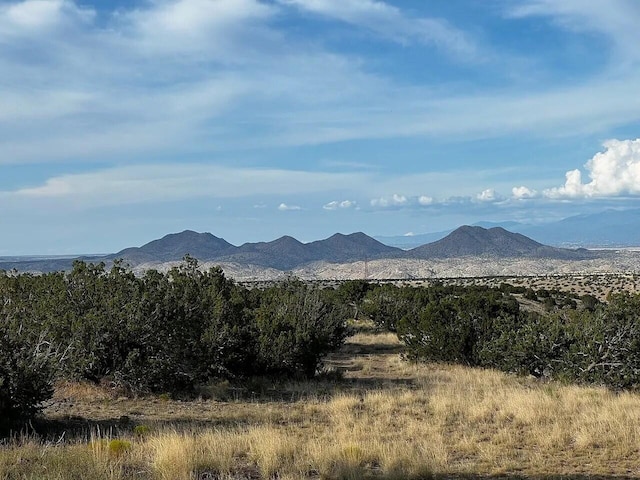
(296, 328)
(25, 378)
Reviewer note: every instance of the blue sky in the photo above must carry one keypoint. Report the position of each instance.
(251, 119)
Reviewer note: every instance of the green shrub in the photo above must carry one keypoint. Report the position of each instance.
(118, 447)
(25, 378)
(296, 328)
(141, 430)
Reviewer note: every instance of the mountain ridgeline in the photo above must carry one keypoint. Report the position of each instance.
(284, 253)
(287, 253)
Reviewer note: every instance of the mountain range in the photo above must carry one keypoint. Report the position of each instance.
(610, 228)
(287, 253)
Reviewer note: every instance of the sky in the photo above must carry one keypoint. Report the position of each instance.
(122, 121)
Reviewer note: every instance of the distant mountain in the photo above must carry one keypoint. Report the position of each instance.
(409, 241)
(610, 228)
(287, 253)
(48, 264)
(203, 246)
(341, 248)
(496, 241)
(283, 253)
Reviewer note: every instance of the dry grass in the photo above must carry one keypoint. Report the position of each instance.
(386, 419)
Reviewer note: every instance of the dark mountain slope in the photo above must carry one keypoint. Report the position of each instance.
(496, 242)
(346, 248)
(283, 253)
(286, 252)
(175, 246)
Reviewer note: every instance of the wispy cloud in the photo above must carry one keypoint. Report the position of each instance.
(615, 19)
(146, 184)
(152, 183)
(390, 22)
(32, 17)
(209, 29)
(176, 76)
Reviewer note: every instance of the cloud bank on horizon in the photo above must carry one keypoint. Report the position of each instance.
(122, 121)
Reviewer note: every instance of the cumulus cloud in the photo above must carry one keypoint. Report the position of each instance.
(613, 172)
(424, 200)
(523, 192)
(335, 205)
(283, 207)
(395, 200)
(488, 195)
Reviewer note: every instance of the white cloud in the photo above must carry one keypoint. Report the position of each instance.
(335, 205)
(425, 200)
(204, 26)
(283, 207)
(115, 87)
(399, 199)
(390, 22)
(617, 19)
(38, 16)
(523, 192)
(488, 195)
(142, 183)
(614, 172)
(395, 200)
(152, 183)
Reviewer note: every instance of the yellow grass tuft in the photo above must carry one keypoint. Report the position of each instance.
(388, 420)
(172, 455)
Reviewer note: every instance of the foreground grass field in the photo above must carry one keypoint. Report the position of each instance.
(381, 418)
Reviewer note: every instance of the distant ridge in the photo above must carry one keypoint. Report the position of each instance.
(287, 253)
(610, 229)
(283, 253)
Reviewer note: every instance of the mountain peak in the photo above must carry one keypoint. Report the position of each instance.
(470, 240)
(174, 246)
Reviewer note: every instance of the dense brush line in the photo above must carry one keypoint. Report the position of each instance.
(575, 339)
(156, 333)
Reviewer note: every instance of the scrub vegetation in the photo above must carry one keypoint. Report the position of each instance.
(226, 382)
